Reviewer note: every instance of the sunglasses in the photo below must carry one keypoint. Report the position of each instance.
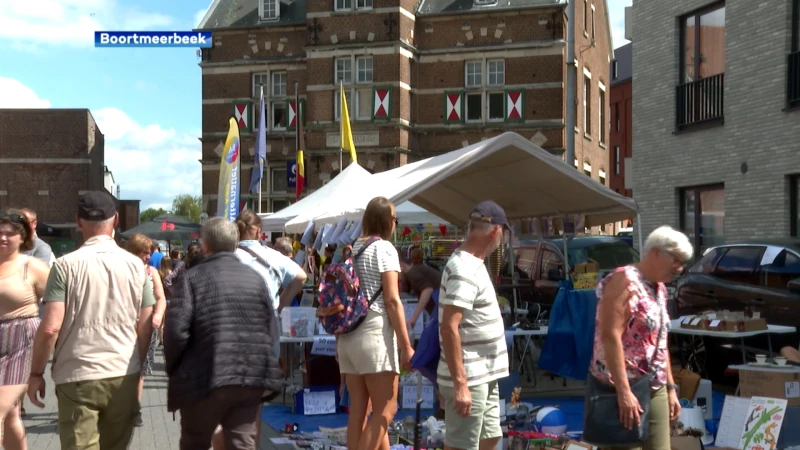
(396, 222)
(13, 218)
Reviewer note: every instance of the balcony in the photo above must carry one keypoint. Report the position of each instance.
(700, 102)
(793, 88)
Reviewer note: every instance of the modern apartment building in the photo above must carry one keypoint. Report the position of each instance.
(422, 77)
(715, 124)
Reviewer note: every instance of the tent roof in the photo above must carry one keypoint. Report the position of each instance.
(410, 214)
(524, 179)
(350, 180)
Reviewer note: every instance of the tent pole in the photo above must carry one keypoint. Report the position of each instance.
(639, 230)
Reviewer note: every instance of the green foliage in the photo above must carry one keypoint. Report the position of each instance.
(150, 213)
(188, 207)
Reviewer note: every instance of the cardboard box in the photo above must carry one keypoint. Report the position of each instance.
(584, 280)
(590, 266)
(760, 383)
(725, 321)
(685, 443)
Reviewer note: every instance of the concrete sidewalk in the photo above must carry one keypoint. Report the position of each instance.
(159, 432)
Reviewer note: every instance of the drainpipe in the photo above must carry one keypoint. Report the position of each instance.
(571, 74)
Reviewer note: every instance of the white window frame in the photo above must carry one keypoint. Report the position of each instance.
(586, 17)
(616, 160)
(256, 90)
(587, 107)
(359, 114)
(482, 88)
(587, 167)
(352, 5)
(272, 84)
(272, 106)
(348, 60)
(601, 106)
(593, 27)
(270, 99)
(368, 61)
(350, 93)
(264, 8)
(602, 176)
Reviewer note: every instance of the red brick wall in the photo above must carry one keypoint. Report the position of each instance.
(621, 103)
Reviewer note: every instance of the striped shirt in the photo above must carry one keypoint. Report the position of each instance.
(379, 257)
(466, 284)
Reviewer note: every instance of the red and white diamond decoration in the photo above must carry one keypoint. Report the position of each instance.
(514, 105)
(454, 108)
(241, 111)
(292, 119)
(381, 104)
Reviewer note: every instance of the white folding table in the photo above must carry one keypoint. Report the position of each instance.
(675, 328)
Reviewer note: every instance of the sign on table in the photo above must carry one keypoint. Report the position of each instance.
(319, 402)
(410, 397)
(324, 346)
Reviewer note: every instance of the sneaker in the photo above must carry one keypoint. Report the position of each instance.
(138, 422)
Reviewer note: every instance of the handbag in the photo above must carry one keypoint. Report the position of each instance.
(602, 426)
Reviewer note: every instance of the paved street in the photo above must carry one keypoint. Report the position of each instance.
(159, 430)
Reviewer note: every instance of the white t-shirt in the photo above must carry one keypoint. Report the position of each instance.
(379, 257)
(467, 285)
(282, 270)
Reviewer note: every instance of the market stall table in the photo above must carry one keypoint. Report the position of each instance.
(675, 328)
(526, 335)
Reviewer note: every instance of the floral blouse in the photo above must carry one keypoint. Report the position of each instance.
(648, 306)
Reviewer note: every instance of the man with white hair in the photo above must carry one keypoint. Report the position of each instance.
(97, 314)
(473, 344)
(284, 246)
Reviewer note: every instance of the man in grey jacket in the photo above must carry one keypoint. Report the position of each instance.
(41, 249)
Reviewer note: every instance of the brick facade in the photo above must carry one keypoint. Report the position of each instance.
(752, 154)
(421, 59)
(47, 157)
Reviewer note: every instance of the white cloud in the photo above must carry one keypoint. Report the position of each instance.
(14, 94)
(616, 15)
(70, 22)
(150, 163)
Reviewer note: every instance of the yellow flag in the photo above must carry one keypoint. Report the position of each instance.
(347, 133)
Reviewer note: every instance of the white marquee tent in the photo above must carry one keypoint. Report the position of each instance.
(525, 179)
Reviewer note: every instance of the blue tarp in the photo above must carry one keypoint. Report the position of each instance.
(567, 350)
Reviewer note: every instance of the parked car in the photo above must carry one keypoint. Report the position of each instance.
(540, 263)
(626, 234)
(760, 276)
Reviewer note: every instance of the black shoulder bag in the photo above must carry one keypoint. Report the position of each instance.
(601, 424)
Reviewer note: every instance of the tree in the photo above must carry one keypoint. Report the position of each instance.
(150, 213)
(188, 207)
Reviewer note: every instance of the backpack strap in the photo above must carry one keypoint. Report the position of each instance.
(263, 262)
(369, 242)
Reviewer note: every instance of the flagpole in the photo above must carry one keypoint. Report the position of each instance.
(298, 118)
(262, 171)
(342, 100)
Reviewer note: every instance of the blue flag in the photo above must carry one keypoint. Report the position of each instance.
(261, 150)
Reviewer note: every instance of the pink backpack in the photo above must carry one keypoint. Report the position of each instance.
(342, 303)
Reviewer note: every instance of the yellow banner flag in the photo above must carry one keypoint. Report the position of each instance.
(347, 133)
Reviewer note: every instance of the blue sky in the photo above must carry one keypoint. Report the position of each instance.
(147, 101)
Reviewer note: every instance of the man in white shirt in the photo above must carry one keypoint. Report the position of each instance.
(473, 345)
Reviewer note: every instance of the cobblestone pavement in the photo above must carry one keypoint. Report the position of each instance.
(160, 431)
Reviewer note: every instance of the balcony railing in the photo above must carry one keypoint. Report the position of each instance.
(793, 90)
(700, 102)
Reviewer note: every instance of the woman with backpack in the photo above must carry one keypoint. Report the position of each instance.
(368, 356)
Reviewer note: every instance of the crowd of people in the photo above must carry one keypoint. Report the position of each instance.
(102, 310)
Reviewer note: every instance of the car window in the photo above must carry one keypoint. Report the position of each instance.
(550, 260)
(707, 262)
(738, 264)
(612, 256)
(784, 269)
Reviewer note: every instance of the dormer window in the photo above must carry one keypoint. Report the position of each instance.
(350, 5)
(269, 9)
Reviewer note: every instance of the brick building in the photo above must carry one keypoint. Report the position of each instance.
(422, 78)
(716, 125)
(620, 151)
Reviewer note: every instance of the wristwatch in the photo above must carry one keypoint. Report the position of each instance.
(672, 387)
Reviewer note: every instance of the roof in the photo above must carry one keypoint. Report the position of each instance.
(244, 14)
(792, 243)
(432, 7)
(623, 57)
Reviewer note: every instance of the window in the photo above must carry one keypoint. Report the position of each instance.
(614, 73)
(785, 268)
(602, 177)
(793, 78)
(702, 216)
(278, 205)
(344, 70)
(602, 106)
(796, 26)
(347, 5)
(616, 116)
(496, 70)
(616, 160)
(703, 51)
(278, 84)
(592, 23)
(707, 263)
(585, 17)
(269, 9)
(278, 181)
(738, 264)
(259, 80)
(279, 115)
(587, 169)
(474, 74)
(337, 101)
(364, 69)
(587, 103)
(794, 205)
(364, 108)
(478, 95)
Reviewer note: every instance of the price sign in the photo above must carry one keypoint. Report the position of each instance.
(317, 403)
(324, 346)
(410, 397)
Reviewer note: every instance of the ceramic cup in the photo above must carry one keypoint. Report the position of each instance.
(780, 360)
(761, 359)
